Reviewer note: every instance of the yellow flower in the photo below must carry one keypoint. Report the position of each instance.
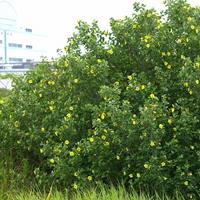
(152, 96)
(55, 73)
(69, 115)
(51, 108)
(161, 126)
(152, 143)
(71, 153)
(75, 80)
(78, 149)
(137, 89)
(189, 19)
(192, 147)
(179, 41)
(92, 71)
(75, 186)
(99, 60)
(142, 87)
(103, 137)
(138, 175)
(103, 115)
(149, 15)
(192, 27)
(197, 64)
(133, 122)
(163, 164)
(89, 178)
(40, 95)
(75, 174)
(147, 45)
(168, 53)
(116, 83)
(172, 110)
(169, 121)
(30, 81)
(110, 51)
(169, 66)
(51, 82)
(1, 101)
(197, 82)
(163, 54)
(56, 133)
(197, 30)
(51, 161)
(105, 131)
(117, 157)
(183, 57)
(165, 63)
(66, 142)
(190, 92)
(130, 175)
(145, 134)
(107, 143)
(16, 124)
(186, 183)
(91, 139)
(147, 37)
(175, 129)
(42, 129)
(71, 108)
(146, 166)
(129, 77)
(134, 26)
(186, 84)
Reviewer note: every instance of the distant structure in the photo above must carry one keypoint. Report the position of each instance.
(18, 46)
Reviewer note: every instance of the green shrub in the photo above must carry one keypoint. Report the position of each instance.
(119, 105)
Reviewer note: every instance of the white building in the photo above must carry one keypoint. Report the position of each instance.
(18, 44)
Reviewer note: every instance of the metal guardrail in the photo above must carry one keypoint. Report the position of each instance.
(13, 71)
(6, 83)
(14, 68)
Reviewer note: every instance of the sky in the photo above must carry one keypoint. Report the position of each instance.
(57, 18)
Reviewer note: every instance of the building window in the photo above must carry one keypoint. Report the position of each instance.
(29, 30)
(29, 60)
(15, 59)
(15, 45)
(29, 46)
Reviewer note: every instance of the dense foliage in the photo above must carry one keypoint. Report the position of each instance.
(119, 105)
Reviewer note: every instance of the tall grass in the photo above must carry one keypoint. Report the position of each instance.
(16, 184)
(104, 193)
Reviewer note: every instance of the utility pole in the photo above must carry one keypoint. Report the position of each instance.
(5, 46)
